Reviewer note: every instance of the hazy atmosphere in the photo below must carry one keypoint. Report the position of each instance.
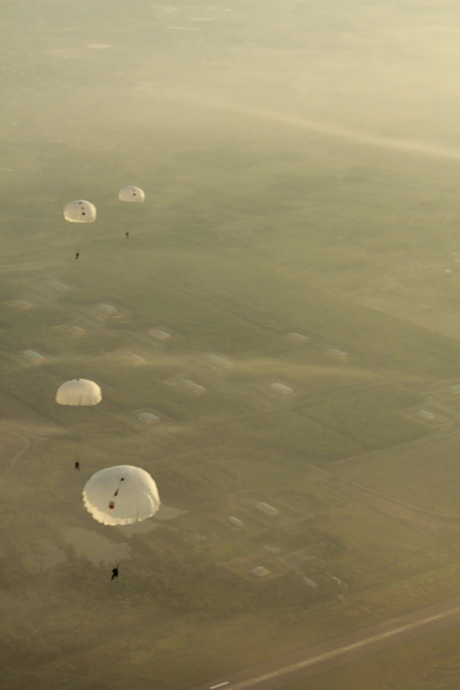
(272, 336)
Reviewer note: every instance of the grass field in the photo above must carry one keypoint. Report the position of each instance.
(425, 475)
(190, 579)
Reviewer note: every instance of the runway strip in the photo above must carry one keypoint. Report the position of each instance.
(321, 658)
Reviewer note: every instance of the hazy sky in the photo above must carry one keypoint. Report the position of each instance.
(382, 70)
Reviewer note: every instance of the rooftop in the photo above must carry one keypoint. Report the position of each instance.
(19, 304)
(281, 389)
(219, 360)
(267, 509)
(191, 386)
(260, 571)
(106, 309)
(148, 418)
(59, 285)
(298, 337)
(159, 334)
(33, 356)
(337, 353)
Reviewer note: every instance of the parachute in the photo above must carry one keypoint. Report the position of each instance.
(80, 211)
(130, 193)
(121, 495)
(79, 392)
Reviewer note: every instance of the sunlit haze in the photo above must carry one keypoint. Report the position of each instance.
(230, 345)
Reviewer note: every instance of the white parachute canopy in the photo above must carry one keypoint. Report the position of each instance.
(78, 392)
(121, 495)
(130, 193)
(80, 211)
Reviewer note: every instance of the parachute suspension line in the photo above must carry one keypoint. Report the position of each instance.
(122, 479)
(81, 240)
(112, 502)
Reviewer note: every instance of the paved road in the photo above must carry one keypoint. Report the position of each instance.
(279, 674)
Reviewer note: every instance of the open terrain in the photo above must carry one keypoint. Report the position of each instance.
(279, 329)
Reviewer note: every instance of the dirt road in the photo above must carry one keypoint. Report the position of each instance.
(280, 673)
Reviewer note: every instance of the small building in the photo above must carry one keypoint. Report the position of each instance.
(223, 362)
(298, 338)
(132, 357)
(260, 571)
(267, 509)
(76, 331)
(59, 285)
(191, 386)
(424, 414)
(106, 309)
(19, 304)
(310, 583)
(33, 356)
(148, 418)
(236, 521)
(340, 583)
(68, 329)
(281, 389)
(338, 354)
(159, 334)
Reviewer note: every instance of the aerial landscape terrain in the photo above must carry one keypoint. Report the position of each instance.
(275, 332)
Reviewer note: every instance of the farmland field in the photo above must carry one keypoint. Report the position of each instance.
(187, 586)
(419, 474)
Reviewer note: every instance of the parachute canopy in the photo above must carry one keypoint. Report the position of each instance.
(121, 495)
(78, 392)
(130, 193)
(80, 211)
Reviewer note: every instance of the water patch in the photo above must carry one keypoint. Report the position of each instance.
(96, 548)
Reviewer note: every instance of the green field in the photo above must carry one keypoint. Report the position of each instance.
(424, 475)
(187, 607)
